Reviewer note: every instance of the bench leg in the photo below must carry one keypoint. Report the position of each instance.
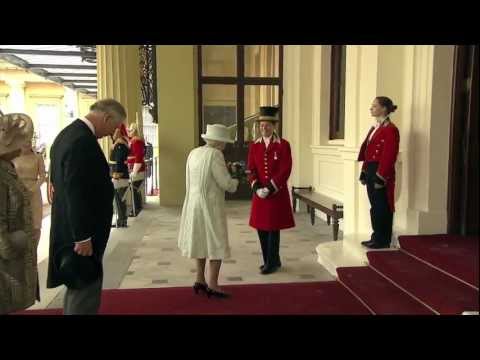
(335, 229)
(312, 215)
(308, 209)
(328, 220)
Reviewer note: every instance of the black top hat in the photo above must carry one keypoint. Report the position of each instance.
(268, 113)
(75, 270)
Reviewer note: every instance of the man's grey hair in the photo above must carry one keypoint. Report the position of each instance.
(110, 106)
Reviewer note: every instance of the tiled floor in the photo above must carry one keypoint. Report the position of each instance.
(158, 262)
(146, 255)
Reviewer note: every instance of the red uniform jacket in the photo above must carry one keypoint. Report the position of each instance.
(137, 153)
(271, 165)
(383, 148)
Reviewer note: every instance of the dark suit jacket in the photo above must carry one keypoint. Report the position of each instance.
(83, 194)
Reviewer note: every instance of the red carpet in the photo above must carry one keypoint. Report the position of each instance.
(315, 298)
(379, 294)
(457, 255)
(441, 292)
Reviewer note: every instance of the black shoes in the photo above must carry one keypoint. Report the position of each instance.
(378, 246)
(269, 270)
(197, 287)
(217, 294)
(367, 243)
(120, 225)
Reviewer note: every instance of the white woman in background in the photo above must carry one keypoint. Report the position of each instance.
(203, 224)
(30, 169)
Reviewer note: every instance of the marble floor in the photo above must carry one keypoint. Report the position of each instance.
(145, 255)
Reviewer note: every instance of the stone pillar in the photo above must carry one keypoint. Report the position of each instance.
(16, 100)
(118, 76)
(429, 138)
(177, 114)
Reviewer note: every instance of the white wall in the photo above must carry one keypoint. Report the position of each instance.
(418, 79)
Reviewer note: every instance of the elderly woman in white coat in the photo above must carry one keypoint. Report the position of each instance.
(203, 225)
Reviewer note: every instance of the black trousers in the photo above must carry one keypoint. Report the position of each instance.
(381, 216)
(137, 196)
(270, 243)
(121, 205)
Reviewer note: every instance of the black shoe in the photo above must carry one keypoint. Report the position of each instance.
(368, 242)
(217, 294)
(197, 287)
(268, 270)
(378, 246)
(114, 226)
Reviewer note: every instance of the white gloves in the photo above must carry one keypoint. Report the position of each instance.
(263, 192)
(136, 168)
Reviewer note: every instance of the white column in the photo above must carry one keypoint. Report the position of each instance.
(291, 106)
(429, 139)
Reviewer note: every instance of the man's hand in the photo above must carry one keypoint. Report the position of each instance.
(84, 248)
(378, 182)
(363, 178)
(265, 192)
(262, 193)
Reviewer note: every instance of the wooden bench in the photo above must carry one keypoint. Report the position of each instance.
(331, 207)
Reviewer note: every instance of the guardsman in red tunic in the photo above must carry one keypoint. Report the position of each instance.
(270, 165)
(379, 153)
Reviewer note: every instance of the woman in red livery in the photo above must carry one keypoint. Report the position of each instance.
(136, 161)
(270, 165)
(379, 153)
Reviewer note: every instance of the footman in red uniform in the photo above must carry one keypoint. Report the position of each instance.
(270, 165)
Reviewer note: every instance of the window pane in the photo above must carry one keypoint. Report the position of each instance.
(341, 110)
(256, 96)
(262, 60)
(337, 92)
(219, 106)
(48, 117)
(219, 60)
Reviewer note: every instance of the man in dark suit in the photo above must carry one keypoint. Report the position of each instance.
(82, 207)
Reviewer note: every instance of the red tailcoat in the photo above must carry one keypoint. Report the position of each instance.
(137, 152)
(271, 165)
(383, 148)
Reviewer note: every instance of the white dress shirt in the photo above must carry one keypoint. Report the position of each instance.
(267, 140)
(89, 124)
(380, 121)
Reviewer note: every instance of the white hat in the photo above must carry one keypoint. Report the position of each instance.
(217, 132)
(16, 130)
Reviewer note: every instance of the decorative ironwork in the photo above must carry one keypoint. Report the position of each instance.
(88, 53)
(148, 78)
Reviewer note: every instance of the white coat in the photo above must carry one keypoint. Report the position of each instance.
(203, 224)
